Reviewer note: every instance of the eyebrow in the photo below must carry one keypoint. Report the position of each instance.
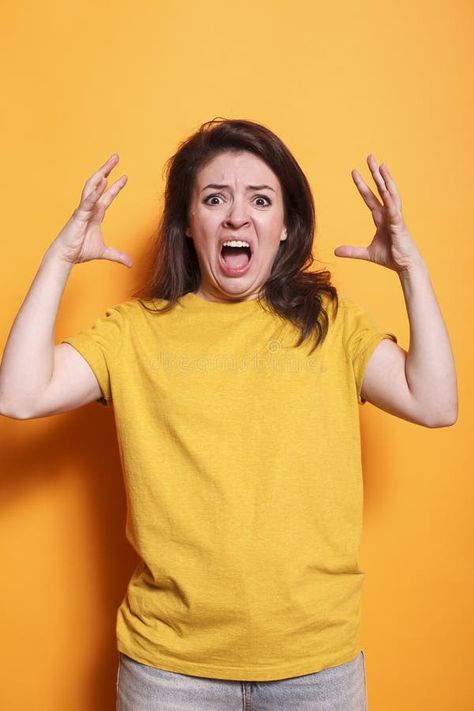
(249, 187)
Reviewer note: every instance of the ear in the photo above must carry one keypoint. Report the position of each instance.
(284, 235)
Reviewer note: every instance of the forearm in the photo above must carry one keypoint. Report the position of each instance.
(430, 368)
(28, 358)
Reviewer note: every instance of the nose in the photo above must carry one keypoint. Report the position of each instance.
(237, 214)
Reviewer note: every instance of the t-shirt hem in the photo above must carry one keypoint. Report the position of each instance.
(92, 357)
(276, 673)
(365, 356)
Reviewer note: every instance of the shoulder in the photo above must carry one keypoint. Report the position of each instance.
(338, 309)
(354, 315)
(133, 308)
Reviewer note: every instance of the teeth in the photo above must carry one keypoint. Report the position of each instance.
(236, 243)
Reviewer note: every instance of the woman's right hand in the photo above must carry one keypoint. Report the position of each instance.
(81, 238)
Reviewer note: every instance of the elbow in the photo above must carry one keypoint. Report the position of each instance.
(14, 413)
(447, 418)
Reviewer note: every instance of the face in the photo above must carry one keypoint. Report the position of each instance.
(236, 196)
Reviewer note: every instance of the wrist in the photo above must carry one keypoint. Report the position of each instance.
(55, 254)
(413, 270)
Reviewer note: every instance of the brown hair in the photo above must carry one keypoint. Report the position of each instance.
(291, 291)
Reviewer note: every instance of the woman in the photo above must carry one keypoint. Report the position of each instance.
(235, 375)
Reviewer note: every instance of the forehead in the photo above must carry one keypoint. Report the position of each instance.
(242, 166)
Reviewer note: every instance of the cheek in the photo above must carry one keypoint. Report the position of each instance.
(272, 231)
(204, 220)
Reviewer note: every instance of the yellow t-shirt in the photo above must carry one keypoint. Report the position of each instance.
(242, 466)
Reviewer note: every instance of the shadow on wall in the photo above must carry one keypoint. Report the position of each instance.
(76, 451)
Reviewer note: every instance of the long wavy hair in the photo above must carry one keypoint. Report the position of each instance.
(291, 291)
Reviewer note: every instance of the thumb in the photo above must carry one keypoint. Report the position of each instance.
(116, 255)
(346, 250)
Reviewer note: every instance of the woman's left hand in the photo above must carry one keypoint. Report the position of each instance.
(392, 246)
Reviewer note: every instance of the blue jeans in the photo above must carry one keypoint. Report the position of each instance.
(144, 688)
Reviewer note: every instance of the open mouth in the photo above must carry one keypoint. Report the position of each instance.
(236, 259)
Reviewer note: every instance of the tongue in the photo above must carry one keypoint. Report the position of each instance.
(235, 257)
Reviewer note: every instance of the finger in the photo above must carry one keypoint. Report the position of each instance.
(350, 250)
(392, 208)
(115, 255)
(88, 201)
(109, 164)
(390, 201)
(97, 177)
(106, 167)
(374, 169)
(391, 185)
(113, 191)
(368, 196)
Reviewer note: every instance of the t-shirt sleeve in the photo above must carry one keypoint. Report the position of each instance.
(99, 346)
(362, 333)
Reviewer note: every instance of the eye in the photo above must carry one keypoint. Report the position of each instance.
(216, 197)
(211, 197)
(263, 197)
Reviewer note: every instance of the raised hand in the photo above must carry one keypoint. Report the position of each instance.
(81, 238)
(392, 245)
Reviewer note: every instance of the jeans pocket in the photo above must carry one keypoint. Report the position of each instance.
(117, 680)
(365, 677)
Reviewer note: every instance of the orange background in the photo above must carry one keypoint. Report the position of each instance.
(335, 81)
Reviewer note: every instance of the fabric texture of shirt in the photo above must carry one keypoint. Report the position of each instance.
(242, 466)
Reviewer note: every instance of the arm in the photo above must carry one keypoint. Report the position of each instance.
(419, 386)
(38, 378)
(30, 358)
